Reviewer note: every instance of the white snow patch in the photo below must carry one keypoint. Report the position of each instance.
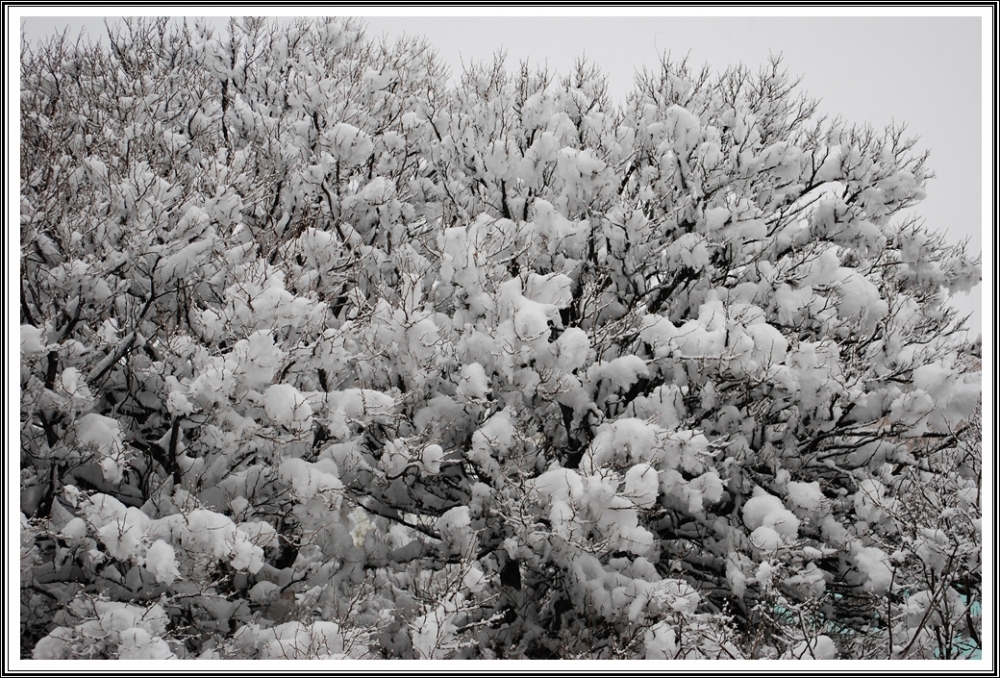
(821, 647)
(285, 405)
(430, 459)
(765, 539)
(807, 496)
(309, 479)
(642, 485)
(473, 382)
(103, 434)
(574, 347)
(873, 563)
(362, 526)
(31, 340)
(161, 561)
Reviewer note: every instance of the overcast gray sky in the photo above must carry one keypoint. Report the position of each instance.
(925, 71)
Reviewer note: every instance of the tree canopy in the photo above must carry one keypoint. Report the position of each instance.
(323, 357)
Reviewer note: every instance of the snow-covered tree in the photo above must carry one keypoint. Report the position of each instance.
(321, 357)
